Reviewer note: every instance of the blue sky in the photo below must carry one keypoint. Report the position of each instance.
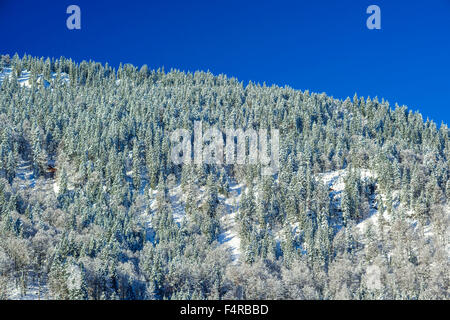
(321, 45)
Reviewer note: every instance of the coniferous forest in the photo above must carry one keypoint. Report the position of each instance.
(92, 207)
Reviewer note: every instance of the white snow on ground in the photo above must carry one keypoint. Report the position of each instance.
(27, 180)
(55, 187)
(176, 200)
(25, 173)
(229, 237)
(335, 181)
(24, 79)
(177, 205)
(32, 292)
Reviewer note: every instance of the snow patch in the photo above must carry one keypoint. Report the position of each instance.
(24, 79)
(229, 237)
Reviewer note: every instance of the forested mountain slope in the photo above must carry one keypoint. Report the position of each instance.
(92, 207)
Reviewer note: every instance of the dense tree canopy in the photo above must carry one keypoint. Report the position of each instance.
(103, 225)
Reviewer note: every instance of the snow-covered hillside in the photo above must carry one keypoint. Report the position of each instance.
(335, 181)
(228, 237)
(81, 190)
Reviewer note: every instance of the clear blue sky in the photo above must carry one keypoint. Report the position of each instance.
(319, 45)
